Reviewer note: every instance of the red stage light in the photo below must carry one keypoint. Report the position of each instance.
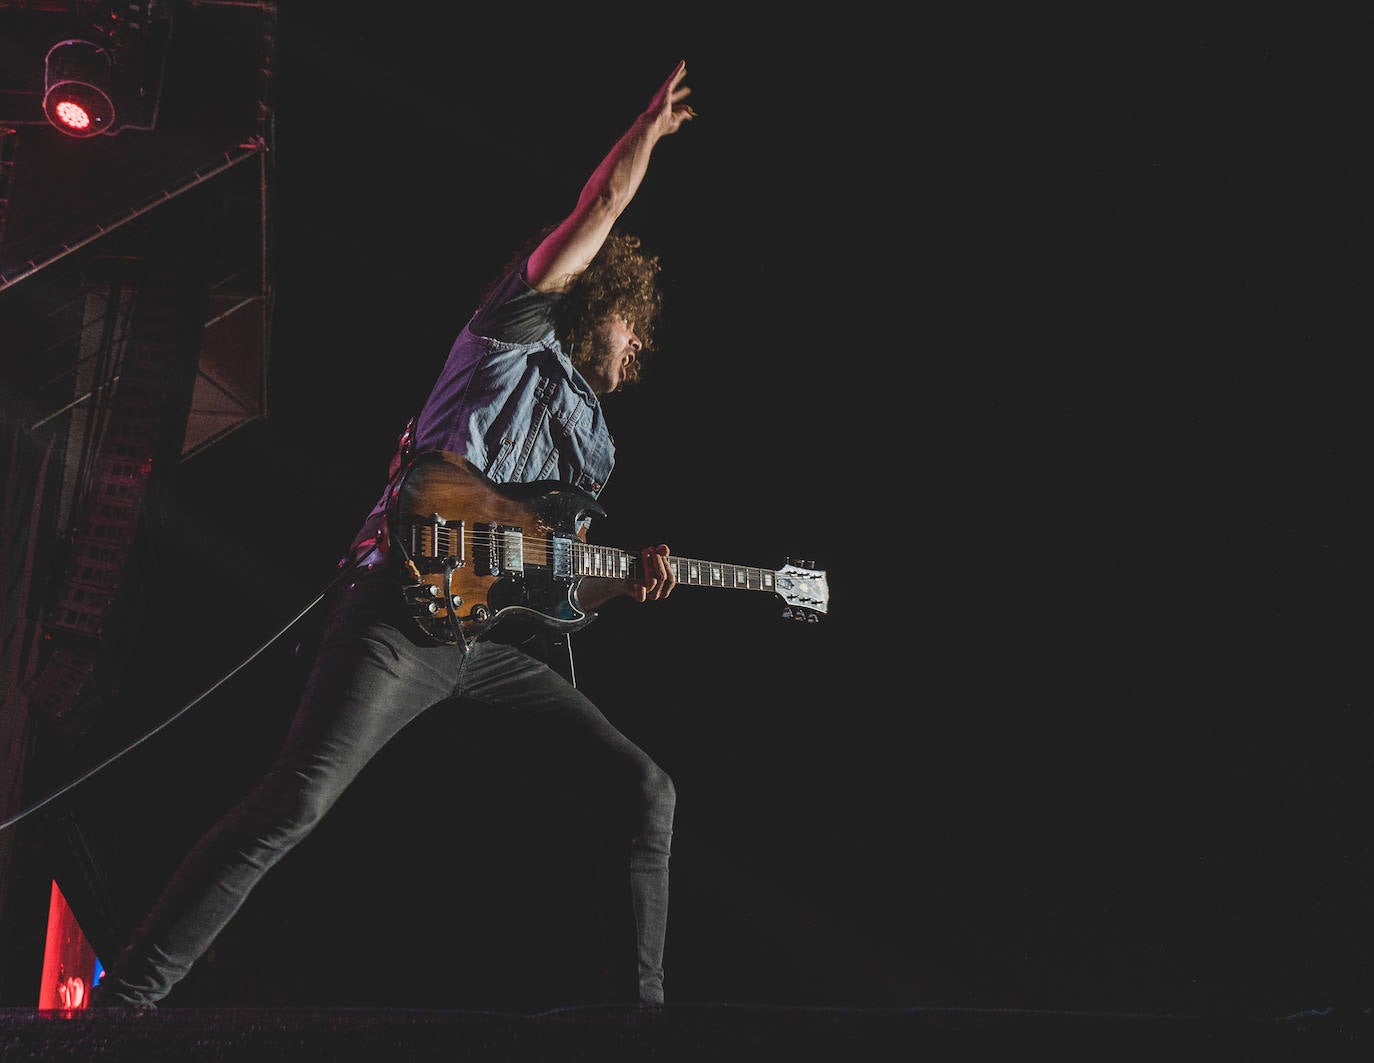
(71, 115)
(77, 97)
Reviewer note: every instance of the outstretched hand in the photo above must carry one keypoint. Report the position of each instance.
(667, 108)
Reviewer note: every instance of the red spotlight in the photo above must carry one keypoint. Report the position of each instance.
(77, 97)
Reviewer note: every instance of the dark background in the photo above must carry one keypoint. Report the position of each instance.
(1031, 334)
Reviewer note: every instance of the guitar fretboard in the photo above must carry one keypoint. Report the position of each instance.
(591, 560)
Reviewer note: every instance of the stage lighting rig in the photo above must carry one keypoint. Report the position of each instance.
(78, 93)
(84, 67)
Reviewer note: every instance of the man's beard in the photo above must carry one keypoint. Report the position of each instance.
(594, 359)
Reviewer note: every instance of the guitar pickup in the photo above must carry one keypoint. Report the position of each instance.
(497, 549)
(562, 557)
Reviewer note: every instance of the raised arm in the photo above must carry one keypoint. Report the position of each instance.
(574, 242)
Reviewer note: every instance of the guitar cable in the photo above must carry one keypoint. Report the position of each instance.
(69, 787)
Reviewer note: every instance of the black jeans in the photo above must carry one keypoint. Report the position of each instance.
(373, 674)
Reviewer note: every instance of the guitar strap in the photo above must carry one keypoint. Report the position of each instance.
(373, 539)
(405, 450)
(400, 462)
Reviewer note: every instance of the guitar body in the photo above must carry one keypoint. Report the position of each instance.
(481, 553)
(476, 553)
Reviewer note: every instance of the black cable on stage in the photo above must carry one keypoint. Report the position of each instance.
(24, 813)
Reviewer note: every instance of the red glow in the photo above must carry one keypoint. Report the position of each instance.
(68, 960)
(72, 115)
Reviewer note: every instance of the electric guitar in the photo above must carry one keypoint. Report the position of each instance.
(475, 553)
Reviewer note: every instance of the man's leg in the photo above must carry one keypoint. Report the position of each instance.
(368, 681)
(638, 792)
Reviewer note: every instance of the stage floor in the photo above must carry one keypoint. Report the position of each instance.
(677, 1032)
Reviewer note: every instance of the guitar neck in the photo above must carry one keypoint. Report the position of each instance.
(619, 564)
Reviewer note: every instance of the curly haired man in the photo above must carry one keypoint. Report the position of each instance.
(420, 620)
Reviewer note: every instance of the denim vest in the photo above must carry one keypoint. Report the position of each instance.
(518, 411)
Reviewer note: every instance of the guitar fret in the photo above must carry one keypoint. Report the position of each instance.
(603, 561)
(694, 573)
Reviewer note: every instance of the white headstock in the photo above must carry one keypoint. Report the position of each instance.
(804, 590)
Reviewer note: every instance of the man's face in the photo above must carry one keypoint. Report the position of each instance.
(614, 348)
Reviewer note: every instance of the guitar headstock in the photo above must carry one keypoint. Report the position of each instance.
(803, 588)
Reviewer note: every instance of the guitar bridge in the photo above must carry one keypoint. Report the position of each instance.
(437, 540)
(497, 549)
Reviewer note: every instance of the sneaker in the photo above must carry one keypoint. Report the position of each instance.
(104, 999)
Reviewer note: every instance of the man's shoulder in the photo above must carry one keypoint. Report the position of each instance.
(515, 312)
